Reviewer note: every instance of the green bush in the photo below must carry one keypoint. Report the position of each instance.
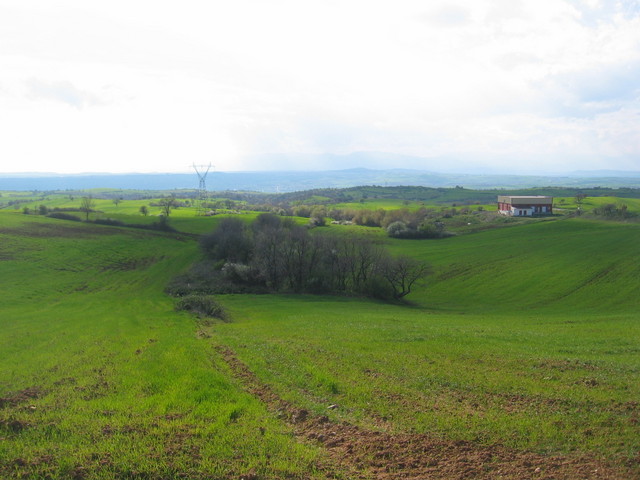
(201, 305)
(397, 229)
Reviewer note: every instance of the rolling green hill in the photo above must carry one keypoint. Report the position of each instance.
(100, 377)
(556, 266)
(524, 340)
(525, 336)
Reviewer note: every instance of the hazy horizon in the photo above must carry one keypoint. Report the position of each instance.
(496, 86)
(303, 169)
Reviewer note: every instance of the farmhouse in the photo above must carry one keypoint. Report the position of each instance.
(525, 206)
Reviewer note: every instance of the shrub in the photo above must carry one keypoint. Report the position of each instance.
(201, 305)
(239, 273)
(433, 230)
(109, 221)
(611, 210)
(266, 221)
(400, 229)
(64, 209)
(369, 218)
(64, 216)
(207, 278)
(162, 226)
(302, 211)
(397, 229)
(317, 222)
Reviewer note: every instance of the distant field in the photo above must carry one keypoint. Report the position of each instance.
(387, 204)
(590, 203)
(523, 343)
(391, 204)
(361, 198)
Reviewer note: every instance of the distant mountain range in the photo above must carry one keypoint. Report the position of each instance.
(289, 181)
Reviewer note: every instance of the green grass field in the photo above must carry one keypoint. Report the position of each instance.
(392, 204)
(526, 337)
(101, 378)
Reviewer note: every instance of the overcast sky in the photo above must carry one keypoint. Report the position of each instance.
(512, 85)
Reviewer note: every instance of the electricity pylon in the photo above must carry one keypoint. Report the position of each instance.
(201, 195)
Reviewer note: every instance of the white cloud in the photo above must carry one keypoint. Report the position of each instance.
(155, 86)
(61, 91)
(448, 16)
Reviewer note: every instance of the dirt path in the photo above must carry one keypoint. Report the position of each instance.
(364, 454)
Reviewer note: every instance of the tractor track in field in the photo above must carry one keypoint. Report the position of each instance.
(358, 453)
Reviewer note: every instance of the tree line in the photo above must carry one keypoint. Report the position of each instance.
(275, 254)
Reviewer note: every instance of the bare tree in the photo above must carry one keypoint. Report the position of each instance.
(229, 241)
(267, 255)
(367, 256)
(166, 205)
(300, 254)
(338, 262)
(87, 205)
(579, 198)
(402, 273)
(282, 256)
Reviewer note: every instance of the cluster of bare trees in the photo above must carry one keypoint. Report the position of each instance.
(283, 256)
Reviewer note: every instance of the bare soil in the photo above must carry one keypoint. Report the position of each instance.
(365, 454)
(15, 398)
(8, 423)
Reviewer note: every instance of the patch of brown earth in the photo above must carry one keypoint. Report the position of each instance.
(13, 425)
(100, 388)
(566, 365)
(16, 398)
(366, 454)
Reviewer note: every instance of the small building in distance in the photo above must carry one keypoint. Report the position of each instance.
(525, 206)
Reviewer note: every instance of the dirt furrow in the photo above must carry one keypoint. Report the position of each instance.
(365, 454)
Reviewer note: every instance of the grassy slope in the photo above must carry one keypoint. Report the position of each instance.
(555, 266)
(526, 336)
(125, 388)
(590, 203)
(550, 384)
